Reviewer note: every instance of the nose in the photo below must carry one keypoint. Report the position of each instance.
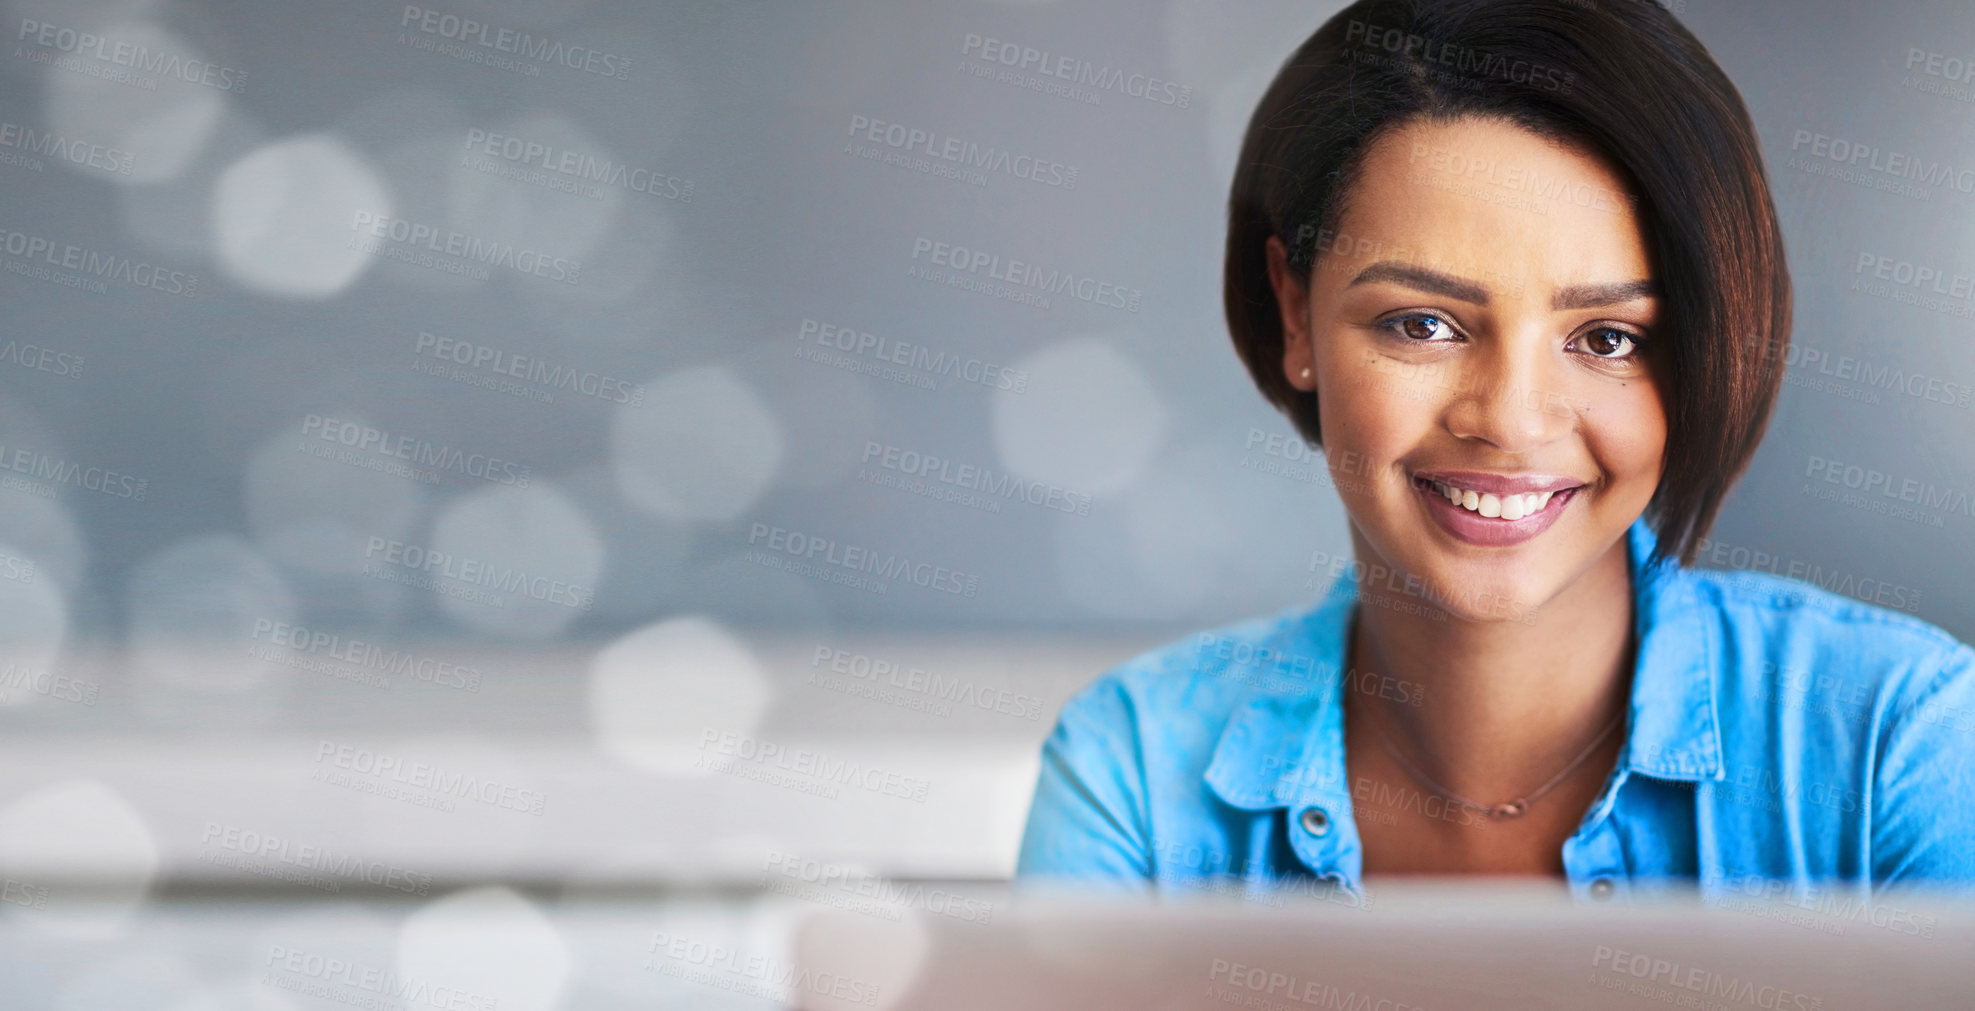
(1510, 396)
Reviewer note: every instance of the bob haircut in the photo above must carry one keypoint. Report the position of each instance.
(1620, 78)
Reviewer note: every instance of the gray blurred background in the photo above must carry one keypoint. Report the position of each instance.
(411, 416)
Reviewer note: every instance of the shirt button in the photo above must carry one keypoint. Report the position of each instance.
(1316, 821)
(1602, 888)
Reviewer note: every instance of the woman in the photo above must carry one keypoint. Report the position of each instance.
(1515, 266)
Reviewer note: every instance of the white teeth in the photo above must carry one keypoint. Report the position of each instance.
(1506, 507)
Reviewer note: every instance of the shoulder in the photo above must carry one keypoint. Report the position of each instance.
(1845, 680)
(1123, 767)
(1196, 681)
(1806, 624)
(1864, 711)
(1165, 713)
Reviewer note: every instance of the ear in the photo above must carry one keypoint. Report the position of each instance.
(1293, 301)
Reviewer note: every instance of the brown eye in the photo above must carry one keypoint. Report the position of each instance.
(1421, 327)
(1607, 342)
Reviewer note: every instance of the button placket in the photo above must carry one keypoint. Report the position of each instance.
(1595, 861)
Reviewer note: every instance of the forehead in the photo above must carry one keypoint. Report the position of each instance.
(1489, 200)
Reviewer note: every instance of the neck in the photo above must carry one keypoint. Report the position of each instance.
(1506, 704)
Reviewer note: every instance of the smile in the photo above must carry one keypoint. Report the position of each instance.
(1509, 507)
(1495, 510)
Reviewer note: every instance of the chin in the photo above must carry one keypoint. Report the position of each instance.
(1487, 591)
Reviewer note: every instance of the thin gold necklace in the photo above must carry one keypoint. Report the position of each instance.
(1507, 809)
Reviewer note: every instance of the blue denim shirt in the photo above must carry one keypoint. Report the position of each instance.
(1776, 733)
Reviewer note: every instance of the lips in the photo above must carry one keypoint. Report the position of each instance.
(1495, 509)
(1500, 484)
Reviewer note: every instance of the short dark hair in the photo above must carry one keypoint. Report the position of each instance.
(1621, 78)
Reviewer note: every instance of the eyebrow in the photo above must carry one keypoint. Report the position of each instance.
(1577, 296)
(1586, 296)
(1419, 278)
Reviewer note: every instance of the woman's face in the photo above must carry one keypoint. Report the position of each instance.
(1479, 333)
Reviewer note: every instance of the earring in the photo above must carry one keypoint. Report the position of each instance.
(1306, 372)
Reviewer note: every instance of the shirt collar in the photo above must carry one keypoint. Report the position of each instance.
(1284, 744)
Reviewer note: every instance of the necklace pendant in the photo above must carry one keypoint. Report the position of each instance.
(1512, 809)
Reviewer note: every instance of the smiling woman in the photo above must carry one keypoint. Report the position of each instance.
(1515, 266)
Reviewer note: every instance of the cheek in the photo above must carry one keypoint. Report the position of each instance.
(1627, 434)
(1370, 418)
